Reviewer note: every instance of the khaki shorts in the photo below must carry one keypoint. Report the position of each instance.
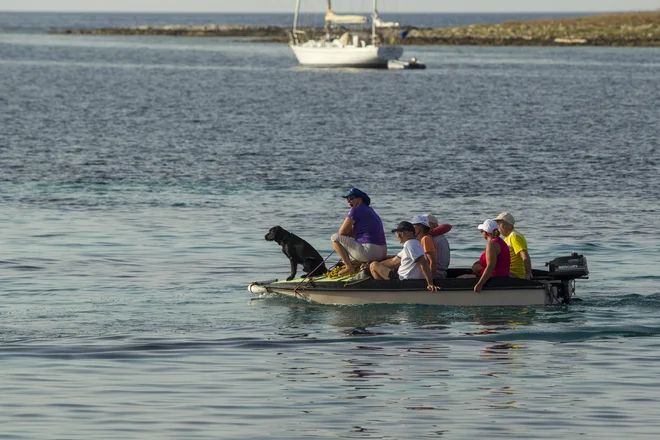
(361, 252)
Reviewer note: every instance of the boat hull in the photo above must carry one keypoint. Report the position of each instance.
(350, 56)
(464, 298)
(508, 292)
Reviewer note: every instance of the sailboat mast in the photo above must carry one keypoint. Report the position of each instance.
(295, 19)
(328, 7)
(373, 24)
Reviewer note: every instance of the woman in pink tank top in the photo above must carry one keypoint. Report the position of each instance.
(495, 261)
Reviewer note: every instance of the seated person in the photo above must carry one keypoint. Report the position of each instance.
(422, 233)
(442, 246)
(409, 264)
(361, 235)
(521, 263)
(495, 260)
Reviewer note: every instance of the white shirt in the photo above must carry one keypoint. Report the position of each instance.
(411, 252)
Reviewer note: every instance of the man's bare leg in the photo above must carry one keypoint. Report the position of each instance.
(379, 271)
(343, 254)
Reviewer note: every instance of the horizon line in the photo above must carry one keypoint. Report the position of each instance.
(320, 12)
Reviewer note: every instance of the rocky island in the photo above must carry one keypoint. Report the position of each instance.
(617, 29)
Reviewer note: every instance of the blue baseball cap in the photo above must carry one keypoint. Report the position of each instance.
(354, 192)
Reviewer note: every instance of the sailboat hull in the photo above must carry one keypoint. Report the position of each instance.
(349, 56)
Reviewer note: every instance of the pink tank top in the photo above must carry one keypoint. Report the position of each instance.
(503, 262)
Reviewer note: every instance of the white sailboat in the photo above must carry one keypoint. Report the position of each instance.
(346, 50)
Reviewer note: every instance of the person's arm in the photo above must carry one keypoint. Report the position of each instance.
(433, 261)
(426, 270)
(491, 260)
(527, 261)
(431, 253)
(393, 263)
(347, 227)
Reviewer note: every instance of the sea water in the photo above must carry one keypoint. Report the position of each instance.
(140, 174)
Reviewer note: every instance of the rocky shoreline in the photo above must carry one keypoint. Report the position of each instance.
(640, 29)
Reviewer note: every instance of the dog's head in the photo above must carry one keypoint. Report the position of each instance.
(276, 234)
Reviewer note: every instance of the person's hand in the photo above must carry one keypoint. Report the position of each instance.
(433, 287)
(528, 276)
(477, 288)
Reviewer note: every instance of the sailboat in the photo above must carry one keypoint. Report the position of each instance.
(350, 49)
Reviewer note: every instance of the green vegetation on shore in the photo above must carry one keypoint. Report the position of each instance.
(620, 29)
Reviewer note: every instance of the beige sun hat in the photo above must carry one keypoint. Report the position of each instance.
(506, 217)
(431, 218)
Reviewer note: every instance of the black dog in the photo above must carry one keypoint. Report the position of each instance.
(298, 251)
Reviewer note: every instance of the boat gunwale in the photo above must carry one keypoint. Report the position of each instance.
(331, 287)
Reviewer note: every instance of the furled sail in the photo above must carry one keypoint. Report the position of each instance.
(331, 17)
(383, 24)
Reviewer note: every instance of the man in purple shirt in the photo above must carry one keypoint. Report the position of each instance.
(361, 237)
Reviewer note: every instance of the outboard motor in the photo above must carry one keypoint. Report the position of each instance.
(567, 270)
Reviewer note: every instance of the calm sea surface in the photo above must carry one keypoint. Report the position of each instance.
(138, 176)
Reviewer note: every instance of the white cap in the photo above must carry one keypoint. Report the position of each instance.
(431, 218)
(420, 220)
(488, 226)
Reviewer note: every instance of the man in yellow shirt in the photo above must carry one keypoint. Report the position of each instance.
(521, 264)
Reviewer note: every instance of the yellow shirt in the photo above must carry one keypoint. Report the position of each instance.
(516, 242)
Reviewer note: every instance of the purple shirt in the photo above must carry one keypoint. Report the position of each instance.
(368, 228)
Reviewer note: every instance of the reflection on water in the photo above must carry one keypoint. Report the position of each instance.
(372, 320)
(502, 360)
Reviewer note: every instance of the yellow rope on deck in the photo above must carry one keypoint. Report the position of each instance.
(334, 273)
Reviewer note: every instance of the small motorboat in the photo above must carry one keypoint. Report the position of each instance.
(412, 63)
(553, 286)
